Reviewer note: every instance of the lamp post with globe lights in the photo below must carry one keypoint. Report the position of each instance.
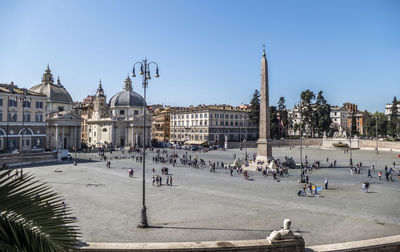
(146, 76)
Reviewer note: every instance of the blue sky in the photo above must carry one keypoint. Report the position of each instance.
(209, 52)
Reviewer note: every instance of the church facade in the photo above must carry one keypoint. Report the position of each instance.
(120, 122)
(63, 125)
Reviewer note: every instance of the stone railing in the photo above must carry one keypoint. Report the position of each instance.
(28, 158)
(283, 240)
(248, 245)
(314, 142)
(387, 244)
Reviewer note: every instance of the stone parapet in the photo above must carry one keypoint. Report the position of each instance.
(386, 244)
(246, 245)
(382, 145)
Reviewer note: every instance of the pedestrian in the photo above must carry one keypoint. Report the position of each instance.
(306, 179)
(380, 175)
(326, 183)
(170, 180)
(334, 163)
(369, 173)
(63, 209)
(231, 170)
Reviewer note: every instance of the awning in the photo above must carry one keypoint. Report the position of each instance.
(195, 142)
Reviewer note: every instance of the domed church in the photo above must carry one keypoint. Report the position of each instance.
(63, 126)
(120, 124)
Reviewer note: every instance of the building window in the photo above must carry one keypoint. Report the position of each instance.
(205, 122)
(39, 118)
(1, 102)
(135, 112)
(1, 116)
(60, 108)
(27, 117)
(12, 117)
(27, 104)
(39, 104)
(104, 129)
(38, 143)
(12, 103)
(122, 112)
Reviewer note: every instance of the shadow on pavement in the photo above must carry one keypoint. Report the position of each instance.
(216, 229)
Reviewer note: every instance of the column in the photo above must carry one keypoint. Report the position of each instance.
(62, 138)
(57, 138)
(75, 136)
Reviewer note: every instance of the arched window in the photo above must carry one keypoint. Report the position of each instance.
(104, 129)
(26, 131)
(2, 132)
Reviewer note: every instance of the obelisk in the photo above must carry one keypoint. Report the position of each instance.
(263, 143)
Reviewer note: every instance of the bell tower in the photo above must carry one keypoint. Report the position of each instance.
(100, 103)
(47, 76)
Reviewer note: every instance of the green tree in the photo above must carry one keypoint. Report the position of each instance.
(377, 123)
(393, 127)
(255, 108)
(322, 114)
(273, 115)
(283, 115)
(354, 130)
(32, 218)
(307, 111)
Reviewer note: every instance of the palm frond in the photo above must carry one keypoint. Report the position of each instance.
(32, 223)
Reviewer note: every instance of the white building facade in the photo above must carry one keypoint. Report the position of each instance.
(211, 125)
(120, 124)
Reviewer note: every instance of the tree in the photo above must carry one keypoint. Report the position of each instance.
(307, 111)
(322, 114)
(273, 116)
(255, 108)
(394, 119)
(354, 130)
(377, 123)
(32, 217)
(283, 115)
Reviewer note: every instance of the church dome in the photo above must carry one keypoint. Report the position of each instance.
(127, 97)
(54, 92)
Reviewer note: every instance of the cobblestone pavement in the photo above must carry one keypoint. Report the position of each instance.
(203, 206)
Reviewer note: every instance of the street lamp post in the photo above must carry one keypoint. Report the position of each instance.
(351, 135)
(245, 150)
(376, 133)
(23, 101)
(145, 72)
(301, 140)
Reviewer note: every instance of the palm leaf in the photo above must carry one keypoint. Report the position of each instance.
(31, 224)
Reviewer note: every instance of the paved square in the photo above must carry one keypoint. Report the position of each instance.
(203, 206)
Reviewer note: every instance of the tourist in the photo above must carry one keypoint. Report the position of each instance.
(380, 175)
(63, 209)
(369, 173)
(170, 180)
(326, 183)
